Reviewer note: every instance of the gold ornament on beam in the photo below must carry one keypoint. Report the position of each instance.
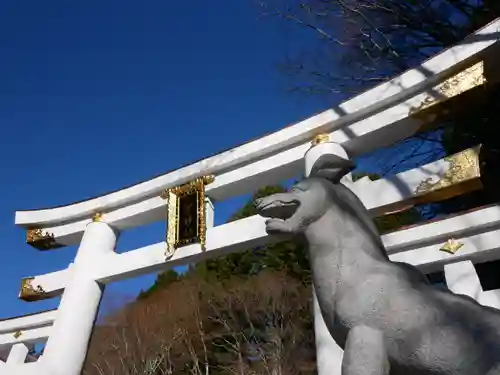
(41, 240)
(17, 334)
(98, 217)
(29, 293)
(320, 138)
(464, 166)
(461, 82)
(186, 214)
(451, 246)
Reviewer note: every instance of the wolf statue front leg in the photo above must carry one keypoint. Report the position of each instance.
(365, 353)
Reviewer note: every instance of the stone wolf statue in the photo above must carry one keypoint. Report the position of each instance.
(385, 315)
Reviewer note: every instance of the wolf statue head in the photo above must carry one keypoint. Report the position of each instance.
(308, 200)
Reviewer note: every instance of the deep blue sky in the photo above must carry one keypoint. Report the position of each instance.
(97, 95)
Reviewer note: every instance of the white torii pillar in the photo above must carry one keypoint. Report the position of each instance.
(18, 354)
(462, 278)
(67, 346)
(328, 353)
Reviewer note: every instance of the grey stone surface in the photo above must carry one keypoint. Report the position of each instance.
(385, 315)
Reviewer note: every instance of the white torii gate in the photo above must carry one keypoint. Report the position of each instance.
(377, 118)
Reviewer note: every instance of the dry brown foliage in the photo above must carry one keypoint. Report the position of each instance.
(258, 325)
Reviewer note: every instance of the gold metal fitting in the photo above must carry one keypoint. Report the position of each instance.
(451, 246)
(98, 217)
(41, 239)
(320, 138)
(30, 292)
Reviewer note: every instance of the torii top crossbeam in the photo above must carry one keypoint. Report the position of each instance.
(373, 119)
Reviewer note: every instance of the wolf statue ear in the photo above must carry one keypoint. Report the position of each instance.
(332, 167)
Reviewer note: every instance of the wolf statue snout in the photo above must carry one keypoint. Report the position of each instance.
(280, 209)
(281, 205)
(292, 212)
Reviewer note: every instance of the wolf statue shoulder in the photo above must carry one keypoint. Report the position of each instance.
(385, 315)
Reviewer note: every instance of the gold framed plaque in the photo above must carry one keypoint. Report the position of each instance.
(186, 214)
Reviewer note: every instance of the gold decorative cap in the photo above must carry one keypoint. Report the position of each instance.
(320, 138)
(208, 179)
(98, 216)
(451, 246)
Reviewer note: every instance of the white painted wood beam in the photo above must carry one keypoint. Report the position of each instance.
(50, 284)
(378, 196)
(28, 336)
(18, 354)
(419, 245)
(33, 368)
(478, 248)
(224, 239)
(373, 119)
(436, 231)
(461, 278)
(490, 298)
(28, 321)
